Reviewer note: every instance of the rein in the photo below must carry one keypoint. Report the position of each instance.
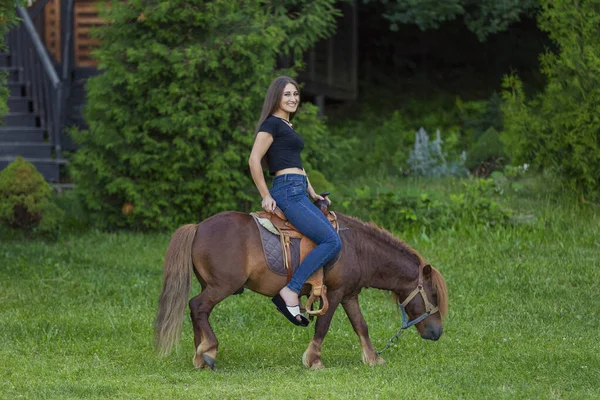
(406, 323)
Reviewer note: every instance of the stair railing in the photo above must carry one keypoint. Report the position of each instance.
(45, 87)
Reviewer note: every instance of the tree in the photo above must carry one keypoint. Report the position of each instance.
(171, 118)
(560, 128)
(482, 17)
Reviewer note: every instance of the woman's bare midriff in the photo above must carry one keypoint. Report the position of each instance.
(290, 171)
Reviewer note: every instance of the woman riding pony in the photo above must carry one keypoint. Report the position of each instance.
(278, 146)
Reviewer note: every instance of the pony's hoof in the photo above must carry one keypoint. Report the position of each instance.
(204, 361)
(313, 363)
(317, 365)
(210, 362)
(374, 361)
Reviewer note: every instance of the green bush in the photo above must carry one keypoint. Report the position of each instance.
(478, 116)
(26, 200)
(373, 143)
(559, 129)
(473, 205)
(76, 219)
(487, 154)
(171, 118)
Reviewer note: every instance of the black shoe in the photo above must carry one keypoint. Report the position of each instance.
(290, 312)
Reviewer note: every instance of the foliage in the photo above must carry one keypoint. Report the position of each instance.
(172, 116)
(487, 154)
(375, 141)
(8, 19)
(429, 159)
(508, 180)
(482, 17)
(26, 200)
(559, 129)
(76, 218)
(478, 116)
(474, 205)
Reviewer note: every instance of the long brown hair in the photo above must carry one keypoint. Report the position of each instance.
(271, 104)
(273, 98)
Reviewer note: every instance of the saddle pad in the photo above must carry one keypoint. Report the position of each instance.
(271, 243)
(267, 224)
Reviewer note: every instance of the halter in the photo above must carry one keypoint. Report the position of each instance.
(429, 308)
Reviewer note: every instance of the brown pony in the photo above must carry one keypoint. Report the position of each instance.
(225, 253)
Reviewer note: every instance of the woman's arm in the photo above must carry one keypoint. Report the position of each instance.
(261, 144)
(314, 195)
(311, 192)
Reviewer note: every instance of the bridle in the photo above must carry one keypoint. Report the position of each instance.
(429, 308)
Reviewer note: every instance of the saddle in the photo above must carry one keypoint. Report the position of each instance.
(287, 232)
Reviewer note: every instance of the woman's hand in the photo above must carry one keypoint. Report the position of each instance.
(315, 196)
(268, 203)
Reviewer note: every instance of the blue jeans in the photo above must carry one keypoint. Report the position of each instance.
(289, 192)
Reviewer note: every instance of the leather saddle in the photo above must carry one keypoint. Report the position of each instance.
(287, 232)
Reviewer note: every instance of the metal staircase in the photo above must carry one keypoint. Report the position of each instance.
(34, 125)
(21, 133)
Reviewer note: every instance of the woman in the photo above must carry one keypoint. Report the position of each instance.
(277, 146)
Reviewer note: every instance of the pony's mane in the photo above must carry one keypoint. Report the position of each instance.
(442, 291)
(383, 235)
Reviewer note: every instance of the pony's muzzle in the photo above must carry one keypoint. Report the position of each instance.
(431, 332)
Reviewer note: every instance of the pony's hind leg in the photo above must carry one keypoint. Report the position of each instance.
(205, 340)
(369, 355)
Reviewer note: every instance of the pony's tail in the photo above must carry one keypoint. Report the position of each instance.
(177, 282)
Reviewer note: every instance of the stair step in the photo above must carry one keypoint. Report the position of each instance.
(48, 167)
(26, 149)
(14, 73)
(17, 89)
(20, 119)
(21, 134)
(19, 104)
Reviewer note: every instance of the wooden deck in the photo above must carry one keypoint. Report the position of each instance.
(331, 65)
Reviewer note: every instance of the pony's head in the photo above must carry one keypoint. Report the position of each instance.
(429, 296)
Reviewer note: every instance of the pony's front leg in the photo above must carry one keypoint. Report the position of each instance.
(312, 356)
(369, 355)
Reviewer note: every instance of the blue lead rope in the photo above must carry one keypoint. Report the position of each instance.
(406, 323)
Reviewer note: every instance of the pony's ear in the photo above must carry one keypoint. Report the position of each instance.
(427, 271)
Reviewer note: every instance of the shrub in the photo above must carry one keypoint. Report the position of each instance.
(171, 118)
(26, 200)
(559, 129)
(373, 139)
(473, 205)
(428, 158)
(487, 154)
(478, 116)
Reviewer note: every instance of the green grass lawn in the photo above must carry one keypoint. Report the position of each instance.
(76, 322)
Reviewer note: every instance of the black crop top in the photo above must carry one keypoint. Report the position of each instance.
(285, 150)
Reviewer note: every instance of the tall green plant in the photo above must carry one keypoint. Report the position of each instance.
(8, 19)
(172, 116)
(560, 129)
